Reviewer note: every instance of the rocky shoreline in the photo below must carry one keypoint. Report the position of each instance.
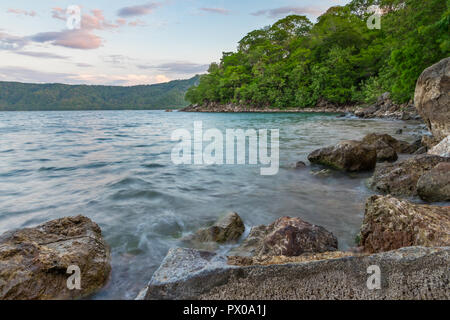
(291, 258)
(382, 108)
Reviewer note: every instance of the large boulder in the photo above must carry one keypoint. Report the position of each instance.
(442, 148)
(228, 228)
(390, 223)
(409, 273)
(382, 141)
(434, 185)
(401, 178)
(432, 98)
(286, 237)
(34, 262)
(348, 155)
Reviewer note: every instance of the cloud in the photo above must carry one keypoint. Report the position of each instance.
(119, 80)
(31, 13)
(216, 10)
(137, 23)
(95, 20)
(43, 55)
(276, 12)
(180, 67)
(10, 42)
(75, 39)
(84, 65)
(26, 75)
(139, 10)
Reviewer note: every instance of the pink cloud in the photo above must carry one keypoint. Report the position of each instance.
(76, 39)
(31, 13)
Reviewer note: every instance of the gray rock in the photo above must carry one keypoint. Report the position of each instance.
(34, 261)
(348, 155)
(442, 148)
(228, 228)
(434, 185)
(401, 178)
(408, 273)
(287, 237)
(432, 98)
(390, 223)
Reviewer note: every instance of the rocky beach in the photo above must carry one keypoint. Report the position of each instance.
(405, 230)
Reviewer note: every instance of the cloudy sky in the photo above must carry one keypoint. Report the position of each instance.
(130, 42)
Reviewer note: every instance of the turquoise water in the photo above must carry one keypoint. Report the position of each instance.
(115, 168)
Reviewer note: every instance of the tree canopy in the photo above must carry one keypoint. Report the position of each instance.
(295, 63)
(24, 96)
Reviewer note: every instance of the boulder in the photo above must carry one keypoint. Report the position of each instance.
(383, 141)
(409, 273)
(286, 237)
(429, 141)
(401, 178)
(434, 185)
(34, 262)
(300, 165)
(442, 148)
(390, 223)
(432, 98)
(348, 155)
(226, 229)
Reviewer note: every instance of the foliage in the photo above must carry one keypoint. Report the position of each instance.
(22, 96)
(295, 63)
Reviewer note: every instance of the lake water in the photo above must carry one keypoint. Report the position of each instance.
(115, 168)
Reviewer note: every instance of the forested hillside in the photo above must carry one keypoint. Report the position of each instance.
(295, 63)
(22, 96)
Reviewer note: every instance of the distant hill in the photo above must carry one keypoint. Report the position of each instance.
(15, 96)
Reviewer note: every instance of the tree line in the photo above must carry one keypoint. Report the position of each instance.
(296, 63)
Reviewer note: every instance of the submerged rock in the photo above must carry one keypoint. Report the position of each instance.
(442, 148)
(434, 185)
(34, 261)
(348, 155)
(228, 228)
(390, 223)
(408, 273)
(401, 178)
(286, 237)
(432, 98)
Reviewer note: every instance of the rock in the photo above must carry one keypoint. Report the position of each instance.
(382, 141)
(409, 273)
(421, 150)
(228, 228)
(324, 173)
(401, 178)
(390, 223)
(385, 152)
(347, 155)
(34, 261)
(287, 237)
(300, 165)
(429, 141)
(434, 185)
(442, 148)
(432, 98)
(399, 131)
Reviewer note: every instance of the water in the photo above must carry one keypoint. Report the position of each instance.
(115, 168)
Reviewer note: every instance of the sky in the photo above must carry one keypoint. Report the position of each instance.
(130, 42)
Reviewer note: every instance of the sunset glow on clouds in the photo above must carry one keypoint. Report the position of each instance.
(142, 42)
